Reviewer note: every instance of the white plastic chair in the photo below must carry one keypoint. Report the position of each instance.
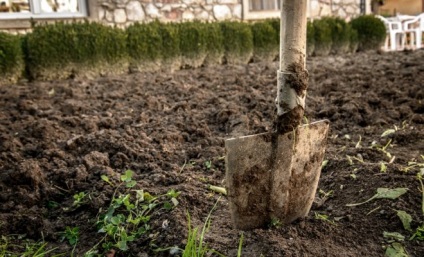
(415, 28)
(395, 34)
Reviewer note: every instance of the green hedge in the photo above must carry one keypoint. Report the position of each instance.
(214, 44)
(171, 54)
(310, 38)
(238, 42)
(340, 34)
(11, 58)
(193, 43)
(63, 49)
(60, 50)
(354, 40)
(371, 32)
(144, 46)
(265, 42)
(323, 37)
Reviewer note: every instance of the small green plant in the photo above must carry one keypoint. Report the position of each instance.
(4, 244)
(383, 167)
(31, 249)
(419, 233)
(196, 246)
(383, 193)
(324, 194)
(384, 150)
(71, 235)
(52, 205)
(405, 218)
(415, 165)
(79, 199)
(393, 236)
(396, 250)
(240, 245)
(324, 217)
(208, 164)
(128, 216)
(275, 223)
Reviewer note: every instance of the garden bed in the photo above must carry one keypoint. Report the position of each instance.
(62, 138)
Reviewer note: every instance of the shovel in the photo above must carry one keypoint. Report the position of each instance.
(274, 175)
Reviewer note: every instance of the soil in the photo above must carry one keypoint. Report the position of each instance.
(58, 138)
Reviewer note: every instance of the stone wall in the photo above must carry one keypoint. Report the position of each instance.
(125, 12)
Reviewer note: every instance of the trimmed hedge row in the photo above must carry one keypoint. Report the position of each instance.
(371, 32)
(62, 50)
(336, 36)
(11, 58)
(265, 41)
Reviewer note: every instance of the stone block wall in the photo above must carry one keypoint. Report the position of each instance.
(125, 12)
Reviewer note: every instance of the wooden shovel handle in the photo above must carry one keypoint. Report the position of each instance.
(292, 76)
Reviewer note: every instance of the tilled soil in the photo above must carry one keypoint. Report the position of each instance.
(58, 138)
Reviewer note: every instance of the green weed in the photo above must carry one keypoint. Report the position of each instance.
(275, 223)
(383, 193)
(419, 233)
(240, 245)
(208, 164)
(72, 235)
(128, 216)
(415, 165)
(324, 217)
(196, 246)
(31, 249)
(79, 199)
(396, 250)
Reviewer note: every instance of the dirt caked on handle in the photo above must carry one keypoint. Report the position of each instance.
(292, 76)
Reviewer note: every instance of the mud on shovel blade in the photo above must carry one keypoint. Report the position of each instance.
(271, 176)
(275, 175)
